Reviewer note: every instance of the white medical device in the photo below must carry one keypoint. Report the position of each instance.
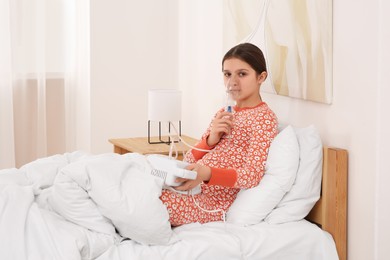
(170, 169)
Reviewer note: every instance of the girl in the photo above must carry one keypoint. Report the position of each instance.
(237, 143)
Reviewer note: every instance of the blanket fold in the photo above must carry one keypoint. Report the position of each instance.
(111, 192)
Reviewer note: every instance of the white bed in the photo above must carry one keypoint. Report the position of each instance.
(294, 240)
(37, 222)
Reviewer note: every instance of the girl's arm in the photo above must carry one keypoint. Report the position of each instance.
(220, 125)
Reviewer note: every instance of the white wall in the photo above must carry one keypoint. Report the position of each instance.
(130, 54)
(200, 69)
(353, 121)
(133, 49)
(382, 250)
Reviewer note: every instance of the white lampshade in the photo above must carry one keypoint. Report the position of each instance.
(164, 105)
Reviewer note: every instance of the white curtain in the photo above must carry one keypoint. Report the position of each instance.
(44, 79)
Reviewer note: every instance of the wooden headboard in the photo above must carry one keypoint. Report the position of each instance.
(330, 212)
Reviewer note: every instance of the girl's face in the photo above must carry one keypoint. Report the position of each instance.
(242, 82)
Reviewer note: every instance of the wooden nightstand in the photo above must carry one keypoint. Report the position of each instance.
(141, 145)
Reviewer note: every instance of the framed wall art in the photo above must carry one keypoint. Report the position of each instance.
(296, 38)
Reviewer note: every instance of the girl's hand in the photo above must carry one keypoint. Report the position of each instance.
(221, 125)
(203, 174)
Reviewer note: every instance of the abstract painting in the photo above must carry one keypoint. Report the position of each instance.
(296, 38)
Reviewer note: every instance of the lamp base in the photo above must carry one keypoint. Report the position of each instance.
(160, 137)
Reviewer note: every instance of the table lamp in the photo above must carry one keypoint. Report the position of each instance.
(164, 106)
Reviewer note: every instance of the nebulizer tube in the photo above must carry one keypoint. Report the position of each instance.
(229, 107)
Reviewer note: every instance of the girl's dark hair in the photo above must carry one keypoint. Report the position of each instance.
(248, 53)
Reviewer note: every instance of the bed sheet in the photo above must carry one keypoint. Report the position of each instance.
(295, 240)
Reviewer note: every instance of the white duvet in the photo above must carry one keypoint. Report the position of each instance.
(80, 206)
(75, 206)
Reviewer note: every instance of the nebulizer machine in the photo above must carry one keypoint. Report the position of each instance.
(169, 169)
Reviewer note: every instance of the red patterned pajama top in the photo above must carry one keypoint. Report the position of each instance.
(236, 162)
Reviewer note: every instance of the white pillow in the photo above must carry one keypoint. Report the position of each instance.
(305, 192)
(253, 205)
